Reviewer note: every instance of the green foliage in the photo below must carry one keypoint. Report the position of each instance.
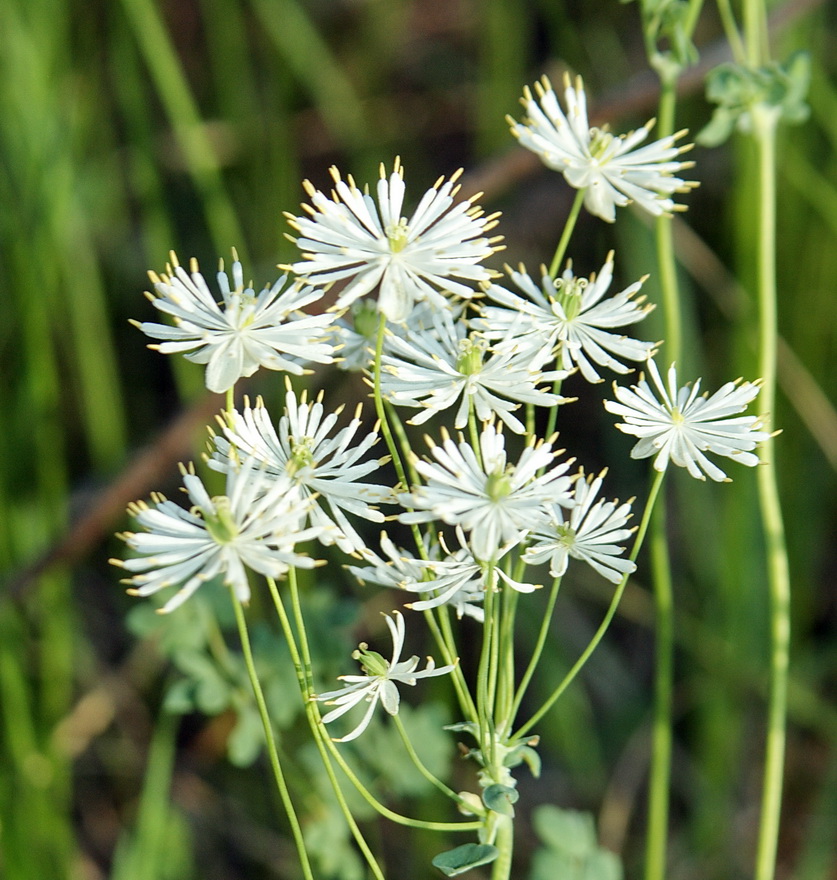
(464, 858)
(737, 90)
(570, 849)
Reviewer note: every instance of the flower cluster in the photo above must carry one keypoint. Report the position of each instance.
(440, 336)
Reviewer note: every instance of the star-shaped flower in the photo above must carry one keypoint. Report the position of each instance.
(613, 170)
(254, 525)
(435, 370)
(570, 314)
(591, 533)
(244, 331)
(680, 425)
(326, 469)
(496, 501)
(378, 684)
(352, 237)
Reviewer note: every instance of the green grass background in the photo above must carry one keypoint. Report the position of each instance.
(129, 127)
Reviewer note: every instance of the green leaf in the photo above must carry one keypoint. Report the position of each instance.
(738, 90)
(571, 850)
(565, 831)
(246, 739)
(524, 755)
(500, 798)
(470, 855)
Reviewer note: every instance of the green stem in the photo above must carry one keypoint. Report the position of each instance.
(778, 574)
(536, 653)
(433, 780)
(386, 812)
(555, 265)
(443, 633)
(278, 775)
(660, 770)
(379, 405)
(484, 674)
(611, 611)
(660, 774)
(504, 841)
(303, 673)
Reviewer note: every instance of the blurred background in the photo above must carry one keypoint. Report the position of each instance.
(132, 127)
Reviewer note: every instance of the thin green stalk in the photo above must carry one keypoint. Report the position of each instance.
(505, 692)
(303, 674)
(569, 226)
(611, 611)
(778, 574)
(731, 30)
(275, 766)
(483, 677)
(496, 629)
(538, 650)
(381, 412)
(474, 432)
(504, 841)
(404, 440)
(660, 771)
(443, 633)
(385, 811)
(433, 780)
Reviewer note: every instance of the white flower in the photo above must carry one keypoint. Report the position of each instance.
(326, 469)
(349, 237)
(592, 534)
(254, 525)
(457, 580)
(570, 312)
(242, 333)
(434, 370)
(682, 425)
(496, 501)
(378, 683)
(612, 170)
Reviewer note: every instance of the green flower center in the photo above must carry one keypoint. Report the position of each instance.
(397, 234)
(372, 662)
(570, 291)
(499, 485)
(600, 140)
(471, 352)
(301, 456)
(245, 301)
(677, 417)
(565, 534)
(219, 522)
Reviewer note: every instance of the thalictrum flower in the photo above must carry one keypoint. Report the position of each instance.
(254, 525)
(591, 532)
(680, 425)
(435, 370)
(496, 501)
(613, 170)
(244, 331)
(570, 313)
(378, 684)
(326, 469)
(352, 237)
(456, 579)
